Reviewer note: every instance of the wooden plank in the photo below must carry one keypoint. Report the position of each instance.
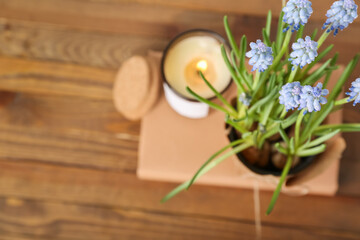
(108, 50)
(162, 19)
(49, 42)
(108, 188)
(74, 147)
(256, 7)
(67, 113)
(58, 220)
(52, 78)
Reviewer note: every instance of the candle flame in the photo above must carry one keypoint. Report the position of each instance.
(201, 65)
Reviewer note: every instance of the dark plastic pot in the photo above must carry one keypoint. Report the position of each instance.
(270, 169)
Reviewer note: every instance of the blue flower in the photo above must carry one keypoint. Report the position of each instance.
(260, 56)
(245, 99)
(290, 95)
(297, 13)
(354, 91)
(311, 98)
(340, 15)
(304, 52)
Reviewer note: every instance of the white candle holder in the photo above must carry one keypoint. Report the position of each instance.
(184, 105)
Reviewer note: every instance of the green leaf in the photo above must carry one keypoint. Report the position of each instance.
(344, 76)
(280, 33)
(321, 139)
(231, 69)
(314, 77)
(312, 151)
(266, 37)
(262, 101)
(345, 127)
(237, 142)
(329, 73)
(211, 104)
(231, 38)
(217, 94)
(243, 45)
(238, 72)
(284, 135)
(207, 168)
(316, 121)
(313, 35)
(279, 186)
(268, 24)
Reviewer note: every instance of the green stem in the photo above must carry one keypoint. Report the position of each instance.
(298, 126)
(323, 37)
(342, 101)
(279, 186)
(293, 74)
(282, 51)
(256, 79)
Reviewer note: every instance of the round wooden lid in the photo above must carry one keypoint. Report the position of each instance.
(136, 86)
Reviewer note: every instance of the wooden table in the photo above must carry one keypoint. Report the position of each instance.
(68, 159)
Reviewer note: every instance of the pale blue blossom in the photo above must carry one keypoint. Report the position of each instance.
(261, 56)
(304, 52)
(354, 93)
(290, 95)
(340, 15)
(297, 13)
(312, 98)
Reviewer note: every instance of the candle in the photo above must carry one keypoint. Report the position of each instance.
(195, 51)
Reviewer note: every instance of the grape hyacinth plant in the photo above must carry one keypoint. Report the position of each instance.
(284, 92)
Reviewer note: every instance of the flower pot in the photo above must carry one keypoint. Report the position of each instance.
(269, 168)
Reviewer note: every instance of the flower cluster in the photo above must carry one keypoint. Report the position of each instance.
(297, 13)
(293, 95)
(340, 15)
(354, 92)
(290, 95)
(261, 56)
(304, 52)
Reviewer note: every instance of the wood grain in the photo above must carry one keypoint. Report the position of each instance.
(108, 188)
(68, 159)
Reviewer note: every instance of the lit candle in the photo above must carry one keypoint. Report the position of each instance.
(187, 55)
(191, 54)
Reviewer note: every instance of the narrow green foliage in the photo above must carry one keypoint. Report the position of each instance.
(316, 121)
(231, 69)
(231, 38)
(217, 94)
(280, 34)
(344, 76)
(266, 37)
(346, 127)
(315, 76)
(313, 35)
(232, 144)
(268, 24)
(312, 151)
(279, 186)
(208, 102)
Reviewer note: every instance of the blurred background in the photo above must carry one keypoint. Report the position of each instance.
(68, 159)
